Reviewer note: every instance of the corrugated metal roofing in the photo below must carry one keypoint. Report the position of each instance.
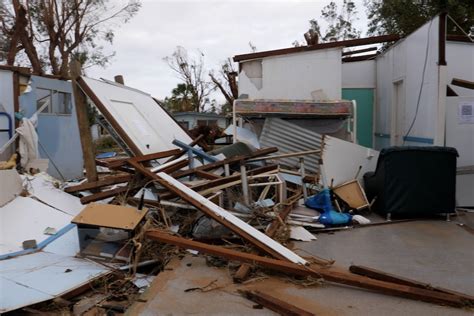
(289, 138)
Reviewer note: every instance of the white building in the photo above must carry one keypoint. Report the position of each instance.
(404, 95)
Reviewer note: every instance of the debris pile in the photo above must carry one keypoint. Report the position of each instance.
(235, 203)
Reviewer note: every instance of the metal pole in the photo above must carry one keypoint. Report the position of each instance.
(245, 187)
(303, 175)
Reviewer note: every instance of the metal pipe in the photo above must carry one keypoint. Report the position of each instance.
(245, 187)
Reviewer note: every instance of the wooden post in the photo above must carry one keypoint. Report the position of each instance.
(84, 129)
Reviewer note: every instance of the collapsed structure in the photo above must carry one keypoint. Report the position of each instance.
(295, 169)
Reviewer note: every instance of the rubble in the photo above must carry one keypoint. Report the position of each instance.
(105, 240)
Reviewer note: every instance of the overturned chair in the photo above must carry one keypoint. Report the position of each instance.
(413, 182)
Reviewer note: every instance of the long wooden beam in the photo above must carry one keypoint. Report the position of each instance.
(275, 304)
(231, 160)
(463, 83)
(388, 277)
(329, 274)
(220, 215)
(100, 183)
(222, 181)
(109, 193)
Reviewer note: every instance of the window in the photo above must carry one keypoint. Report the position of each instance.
(60, 103)
(211, 123)
(184, 124)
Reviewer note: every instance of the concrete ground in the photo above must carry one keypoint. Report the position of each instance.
(436, 252)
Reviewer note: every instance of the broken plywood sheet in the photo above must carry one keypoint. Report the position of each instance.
(25, 218)
(141, 122)
(112, 216)
(42, 187)
(11, 185)
(37, 277)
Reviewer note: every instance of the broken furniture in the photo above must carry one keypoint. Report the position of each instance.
(353, 194)
(104, 230)
(413, 181)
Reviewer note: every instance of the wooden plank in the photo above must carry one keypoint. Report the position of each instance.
(344, 43)
(158, 155)
(231, 160)
(100, 183)
(223, 180)
(463, 83)
(275, 304)
(329, 274)
(83, 123)
(220, 215)
(384, 276)
(109, 193)
(207, 175)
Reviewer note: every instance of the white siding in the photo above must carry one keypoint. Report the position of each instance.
(460, 60)
(304, 76)
(404, 63)
(359, 74)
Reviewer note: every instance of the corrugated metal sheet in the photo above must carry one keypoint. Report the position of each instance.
(289, 137)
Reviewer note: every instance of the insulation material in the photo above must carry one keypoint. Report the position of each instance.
(149, 127)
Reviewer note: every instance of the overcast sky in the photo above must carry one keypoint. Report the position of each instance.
(220, 29)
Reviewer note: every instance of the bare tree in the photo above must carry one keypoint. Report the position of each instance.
(226, 81)
(50, 32)
(191, 71)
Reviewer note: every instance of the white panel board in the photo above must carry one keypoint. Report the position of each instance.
(342, 159)
(360, 74)
(403, 63)
(296, 76)
(33, 278)
(25, 218)
(42, 187)
(10, 184)
(147, 124)
(460, 135)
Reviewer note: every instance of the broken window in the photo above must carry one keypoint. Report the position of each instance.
(60, 103)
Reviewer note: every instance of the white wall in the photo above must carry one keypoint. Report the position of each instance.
(460, 60)
(360, 74)
(6, 102)
(304, 76)
(460, 135)
(404, 63)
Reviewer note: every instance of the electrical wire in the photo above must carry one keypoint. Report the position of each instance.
(421, 86)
